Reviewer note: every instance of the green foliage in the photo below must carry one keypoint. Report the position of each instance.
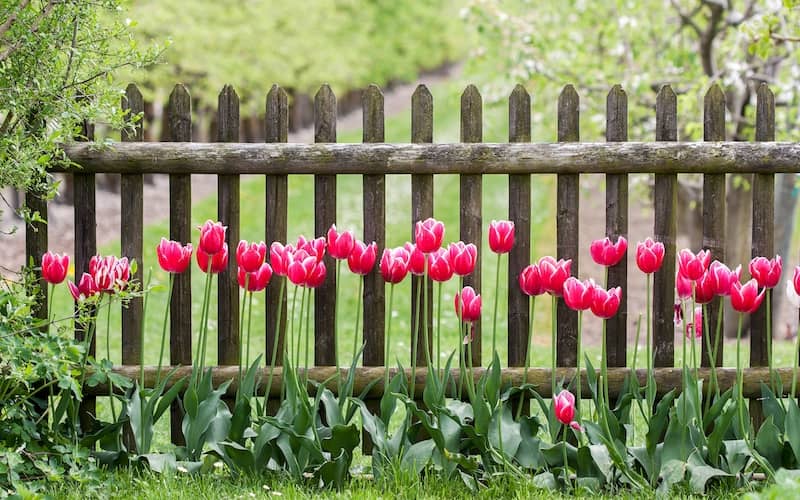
(346, 43)
(51, 54)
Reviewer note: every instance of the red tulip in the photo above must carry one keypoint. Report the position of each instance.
(279, 257)
(428, 235)
(766, 272)
(173, 257)
(531, 282)
(109, 272)
(578, 294)
(606, 253)
(554, 274)
(745, 298)
(300, 267)
(705, 289)
(55, 267)
(564, 409)
(212, 237)
(219, 260)
(340, 244)
(693, 266)
(251, 256)
(722, 277)
(84, 289)
(605, 303)
(649, 255)
(796, 280)
(462, 257)
(501, 236)
(439, 267)
(683, 286)
(416, 261)
(362, 259)
(394, 264)
(256, 281)
(317, 275)
(315, 247)
(468, 304)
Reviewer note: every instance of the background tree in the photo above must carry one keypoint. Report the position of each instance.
(52, 52)
(643, 45)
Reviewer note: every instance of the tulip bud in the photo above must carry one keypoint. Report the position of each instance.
(501, 236)
(606, 253)
(55, 267)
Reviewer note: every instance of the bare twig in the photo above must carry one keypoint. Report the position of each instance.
(72, 46)
(37, 23)
(13, 17)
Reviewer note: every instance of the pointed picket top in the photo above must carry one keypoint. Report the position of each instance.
(325, 115)
(372, 114)
(519, 115)
(277, 115)
(228, 115)
(666, 114)
(422, 115)
(569, 115)
(616, 114)
(471, 115)
(765, 113)
(179, 113)
(133, 103)
(714, 114)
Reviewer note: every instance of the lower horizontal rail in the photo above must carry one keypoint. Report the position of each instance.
(666, 378)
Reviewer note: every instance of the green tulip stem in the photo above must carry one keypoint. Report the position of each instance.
(201, 343)
(141, 330)
(307, 333)
(163, 328)
(108, 357)
(439, 328)
(388, 346)
(241, 331)
(50, 315)
(415, 339)
(358, 315)
(769, 339)
(522, 400)
(553, 344)
(794, 365)
(336, 330)
(496, 301)
(578, 367)
(249, 317)
(564, 449)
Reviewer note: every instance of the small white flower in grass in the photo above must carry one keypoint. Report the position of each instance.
(308, 475)
(219, 465)
(183, 469)
(277, 493)
(265, 487)
(791, 294)
(252, 495)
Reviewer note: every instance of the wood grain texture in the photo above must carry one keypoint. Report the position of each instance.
(520, 158)
(665, 201)
(616, 226)
(667, 379)
(422, 201)
(714, 208)
(567, 224)
(36, 244)
(179, 128)
(325, 215)
(131, 232)
(471, 193)
(277, 130)
(228, 211)
(519, 212)
(374, 206)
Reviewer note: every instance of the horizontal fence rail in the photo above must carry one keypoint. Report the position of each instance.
(484, 158)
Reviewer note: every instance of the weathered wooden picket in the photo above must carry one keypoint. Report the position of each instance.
(471, 159)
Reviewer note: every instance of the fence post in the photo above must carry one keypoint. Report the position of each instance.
(714, 213)
(374, 204)
(131, 230)
(85, 248)
(617, 225)
(179, 129)
(567, 224)
(519, 212)
(471, 192)
(36, 243)
(325, 215)
(763, 240)
(277, 130)
(665, 202)
(421, 209)
(228, 211)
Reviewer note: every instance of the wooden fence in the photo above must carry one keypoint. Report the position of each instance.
(471, 159)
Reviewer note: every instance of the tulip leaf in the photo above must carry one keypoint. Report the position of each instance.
(418, 456)
(672, 472)
(700, 473)
(503, 426)
(792, 424)
(768, 442)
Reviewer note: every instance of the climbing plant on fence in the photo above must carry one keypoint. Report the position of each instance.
(466, 416)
